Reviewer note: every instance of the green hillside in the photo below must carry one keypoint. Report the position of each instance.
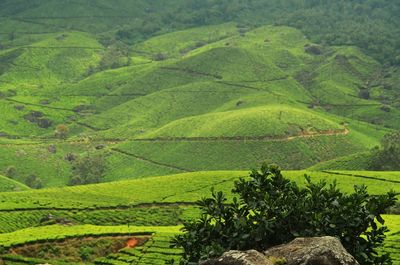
(7, 184)
(105, 209)
(153, 103)
(128, 192)
(261, 85)
(271, 121)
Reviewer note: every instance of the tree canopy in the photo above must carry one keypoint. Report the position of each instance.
(387, 157)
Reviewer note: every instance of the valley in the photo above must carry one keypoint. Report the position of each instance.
(118, 116)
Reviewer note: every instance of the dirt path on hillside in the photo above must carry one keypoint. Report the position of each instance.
(360, 176)
(247, 138)
(89, 208)
(44, 141)
(149, 160)
(38, 105)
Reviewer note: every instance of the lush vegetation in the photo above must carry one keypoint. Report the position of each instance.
(338, 23)
(271, 210)
(388, 156)
(274, 91)
(168, 201)
(385, 157)
(7, 184)
(109, 110)
(88, 169)
(57, 232)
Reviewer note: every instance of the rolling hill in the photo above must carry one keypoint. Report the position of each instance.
(7, 185)
(104, 209)
(177, 97)
(242, 92)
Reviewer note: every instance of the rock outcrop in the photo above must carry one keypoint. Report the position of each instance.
(313, 251)
(250, 257)
(301, 251)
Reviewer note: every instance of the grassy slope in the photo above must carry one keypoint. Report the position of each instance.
(168, 189)
(393, 238)
(159, 189)
(233, 84)
(7, 184)
(41, 67)
(36, 159)
(63, 56)
(179, 43)
(57, 232)
(271, 121)
(358, 161)
(210, 72)
(240, 51)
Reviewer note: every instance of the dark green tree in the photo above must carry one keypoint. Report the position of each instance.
(10, 172)
(387, 157)
(34, 182)
(88, 169)
(272, 210)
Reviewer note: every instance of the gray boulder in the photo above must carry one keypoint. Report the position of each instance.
(313, 251)
(250, 257)
(301, 251)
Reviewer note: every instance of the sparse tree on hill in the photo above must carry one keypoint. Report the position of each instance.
(61, 131)
(34, 182)
(10, 172)
(387, 157)
(88, 169)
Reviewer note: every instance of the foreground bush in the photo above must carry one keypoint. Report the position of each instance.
(272, 210)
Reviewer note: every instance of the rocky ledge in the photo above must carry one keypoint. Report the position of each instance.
(301, 251)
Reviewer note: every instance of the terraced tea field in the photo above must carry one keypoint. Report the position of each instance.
(392, 244)
(236, 92)
(29, 217)
(153, 103)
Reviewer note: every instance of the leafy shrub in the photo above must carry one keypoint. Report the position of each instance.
(34, 182)
(61, 131)
(364, 94)
(116, 55)
(272, 210)
(387, 157)
(313, 49)
(85, 253)
(10, 172)
(160, 57)
(88, 169)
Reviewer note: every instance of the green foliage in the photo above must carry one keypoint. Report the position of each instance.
(85, 252)
(272, 210)
(34, 182)
(61, 131)
(174, 188)
(8, 185)
(10, 172)
(116, 55)
(59, 232)
(88, 169)
(99, 66)
(387, 157)
(259, 95)
(333, 22)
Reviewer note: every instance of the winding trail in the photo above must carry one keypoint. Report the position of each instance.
(38, 105)
(102, 208)
(360, 176)
(149, 160)
(267, 138)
